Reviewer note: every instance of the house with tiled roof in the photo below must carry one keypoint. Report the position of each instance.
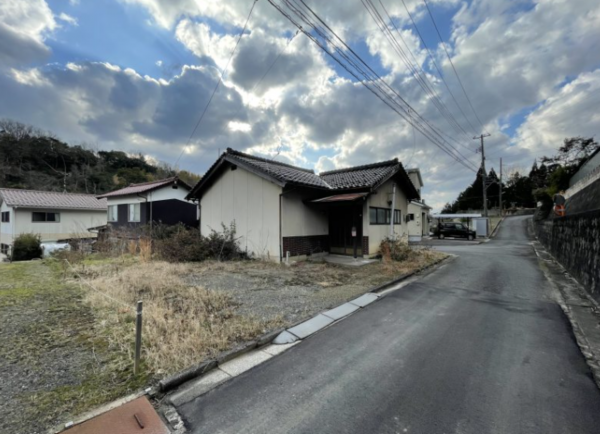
(280, 210)
(162, 201)
(54, 216)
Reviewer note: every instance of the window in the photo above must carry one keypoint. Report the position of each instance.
(113, 215)
(382, 216)
(6, 217)
(134, 212)
(53, 217)
(4, 249)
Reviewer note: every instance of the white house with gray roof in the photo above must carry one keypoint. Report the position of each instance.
(279, 208)
(52, 215)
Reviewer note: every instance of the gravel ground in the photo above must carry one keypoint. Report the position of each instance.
(268, 291)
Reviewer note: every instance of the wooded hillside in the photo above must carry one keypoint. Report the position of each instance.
(36, 160)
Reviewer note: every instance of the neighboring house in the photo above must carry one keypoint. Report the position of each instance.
(418, 213)
(54, 216)
(162, 201)
(279, 208)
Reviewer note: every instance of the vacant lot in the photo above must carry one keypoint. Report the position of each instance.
(196, 310)
(67, 348)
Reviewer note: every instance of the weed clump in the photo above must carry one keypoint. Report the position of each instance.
(188, 245)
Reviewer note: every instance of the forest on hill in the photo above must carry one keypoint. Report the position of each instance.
(542, 182)
(36, 160)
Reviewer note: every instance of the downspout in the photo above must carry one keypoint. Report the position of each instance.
(392, 212)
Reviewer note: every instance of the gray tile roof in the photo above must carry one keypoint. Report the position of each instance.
(50, 199)
(280, 171)
(360, 177)
(145, 187)
(369, 175)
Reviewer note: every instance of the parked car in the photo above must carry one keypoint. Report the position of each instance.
(457, 230)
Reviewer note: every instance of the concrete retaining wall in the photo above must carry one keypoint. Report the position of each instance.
(574, 241)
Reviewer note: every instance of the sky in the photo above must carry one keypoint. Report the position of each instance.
(136, 75)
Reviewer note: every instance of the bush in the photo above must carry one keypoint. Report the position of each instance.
(394, 249)
(27, 247)
(187, 245)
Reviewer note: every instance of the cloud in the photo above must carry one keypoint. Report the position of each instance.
(530, 70)
(68, 19)
(24, 26)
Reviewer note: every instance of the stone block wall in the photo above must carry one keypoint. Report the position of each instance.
(574, 241)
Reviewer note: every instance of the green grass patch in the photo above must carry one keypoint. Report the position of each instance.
(53, 343)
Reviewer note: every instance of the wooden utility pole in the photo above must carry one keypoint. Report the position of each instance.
(482, 149)
(501, 207)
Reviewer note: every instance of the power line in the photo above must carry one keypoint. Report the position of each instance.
(416, 69)
(452, 64)
(269, 68)
(218, 82)
(432, 57)
(275, 61)
(302, 16)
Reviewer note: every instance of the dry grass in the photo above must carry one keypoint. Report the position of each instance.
(132, 247)
(145, 250)
(182, 324)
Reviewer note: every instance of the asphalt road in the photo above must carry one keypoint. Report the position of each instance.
(480, 346)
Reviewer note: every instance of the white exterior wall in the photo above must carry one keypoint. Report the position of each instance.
(418, 226)
(298, 220)
(377, 233)
(6, 229)
(249, 201)
(73, 224)
(414, 177)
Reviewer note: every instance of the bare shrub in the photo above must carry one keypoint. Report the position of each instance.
(187, 245)
(182, 324)
(394, 249)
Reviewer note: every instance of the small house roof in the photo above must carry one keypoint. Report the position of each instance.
(15, 197)
(369, 176)
(145, 187)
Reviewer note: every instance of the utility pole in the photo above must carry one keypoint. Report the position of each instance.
(501, 207)
(485, 208)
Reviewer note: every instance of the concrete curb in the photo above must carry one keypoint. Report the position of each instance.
(177, 379)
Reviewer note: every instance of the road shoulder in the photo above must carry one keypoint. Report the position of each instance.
(582, 310)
